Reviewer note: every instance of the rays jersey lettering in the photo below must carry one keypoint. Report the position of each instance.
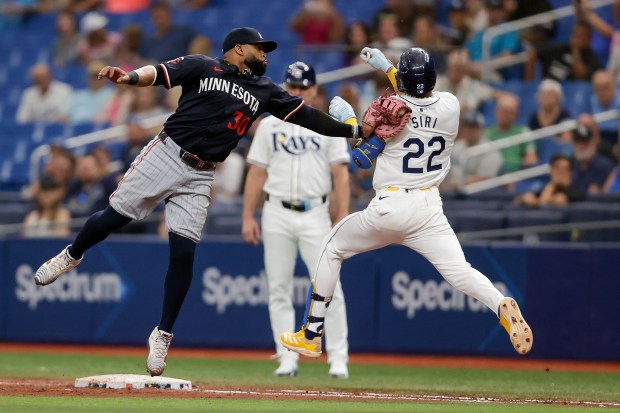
(295, 145)
(218, 104)
(298, 161)
(419, 156)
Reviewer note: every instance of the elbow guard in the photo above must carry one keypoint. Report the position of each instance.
(367, 151)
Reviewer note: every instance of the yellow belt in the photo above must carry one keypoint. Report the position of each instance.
(393, 188)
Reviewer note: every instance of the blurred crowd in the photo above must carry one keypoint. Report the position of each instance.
(582, 162)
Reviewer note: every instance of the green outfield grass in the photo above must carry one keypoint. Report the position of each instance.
(577, 386)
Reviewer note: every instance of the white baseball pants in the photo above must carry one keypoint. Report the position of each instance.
(414, 219)
(284, 232)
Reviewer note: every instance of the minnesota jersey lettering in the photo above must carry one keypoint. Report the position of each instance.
(237, 91)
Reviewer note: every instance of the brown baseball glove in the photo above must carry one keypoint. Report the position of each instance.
(387, 115)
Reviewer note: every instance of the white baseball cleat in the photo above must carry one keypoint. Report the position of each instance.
(55, 267)
(338, 369)
(287, 367)
(158, 344)
(512, 320)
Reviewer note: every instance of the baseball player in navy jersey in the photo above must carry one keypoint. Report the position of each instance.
(294, 166)
(407, 208)
(219, 101)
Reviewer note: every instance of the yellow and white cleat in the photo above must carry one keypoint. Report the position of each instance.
(298, 343)
(512, 320)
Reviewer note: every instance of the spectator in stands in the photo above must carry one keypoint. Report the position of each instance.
(560, 189)
(503, 45)
(127, 55)
(91, 189)
(357, 37)
(137, 138)
(574, 60)
(318, 22)
(590, 170)
(605, 97)
(59, 168)
(65, 45)
(46, 100)
(169, 41)
(125, 6)
(458, 31)
(470, 92)
(104, 157)
(613, 65)
(536, 35)
(426, 36)
(86, 104)
(116, 110)
(201, 45)
(351, 93)
(612, 185)
(551, 112)
(405, 12)
(603, 26)
(506, 113)
(388, 39)
(467, 170)
(49, 218)
(98, 43)
(83, 6)
(477, 17)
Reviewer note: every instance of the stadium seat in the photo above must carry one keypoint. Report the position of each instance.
(473, 220)
(537, 217)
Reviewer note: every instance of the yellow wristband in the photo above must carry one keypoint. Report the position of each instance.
(391, 74)
(351, 121)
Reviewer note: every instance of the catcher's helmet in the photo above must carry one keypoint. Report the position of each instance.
(416, 72)
(300, 74)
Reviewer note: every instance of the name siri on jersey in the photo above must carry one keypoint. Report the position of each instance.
(295, 145)
(423, 121)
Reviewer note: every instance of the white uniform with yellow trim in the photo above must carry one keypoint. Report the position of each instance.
(407, 208)
(298, 163)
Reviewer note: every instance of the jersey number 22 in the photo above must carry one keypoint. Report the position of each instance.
(417, 142)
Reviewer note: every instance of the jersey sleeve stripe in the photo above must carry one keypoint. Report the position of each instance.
(294, 111)
(343, 159)
(257, 163)
(168, 86)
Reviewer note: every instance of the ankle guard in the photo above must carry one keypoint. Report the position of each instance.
(312, 297)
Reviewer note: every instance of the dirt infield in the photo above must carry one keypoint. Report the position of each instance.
(359, 358)
(28, 387)
(32, 387)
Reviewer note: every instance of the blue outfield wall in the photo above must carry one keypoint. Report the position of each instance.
(396, 301)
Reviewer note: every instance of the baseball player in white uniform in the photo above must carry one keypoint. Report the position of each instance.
(295, 166)
(407, 208)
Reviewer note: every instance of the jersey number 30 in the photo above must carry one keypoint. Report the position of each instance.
(240, 124)
(417, 142)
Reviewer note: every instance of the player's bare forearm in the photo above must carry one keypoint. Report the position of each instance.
(144, 76)
(251, 194)
(342, 191)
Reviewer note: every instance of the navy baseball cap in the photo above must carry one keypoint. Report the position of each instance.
(247, 35)
(300, 74)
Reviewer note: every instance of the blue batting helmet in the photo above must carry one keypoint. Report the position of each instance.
(416, 72)
(300, 74)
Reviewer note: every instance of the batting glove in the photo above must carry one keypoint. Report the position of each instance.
(341, 110)
(376, 59)
(366, 151)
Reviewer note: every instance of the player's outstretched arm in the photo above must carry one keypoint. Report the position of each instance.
(254, 182)
(377, 59)
(144, 76)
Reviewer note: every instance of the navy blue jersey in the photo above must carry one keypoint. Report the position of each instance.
(218, 104)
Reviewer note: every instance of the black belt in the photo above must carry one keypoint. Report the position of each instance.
(189, 158)
(300, 206)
